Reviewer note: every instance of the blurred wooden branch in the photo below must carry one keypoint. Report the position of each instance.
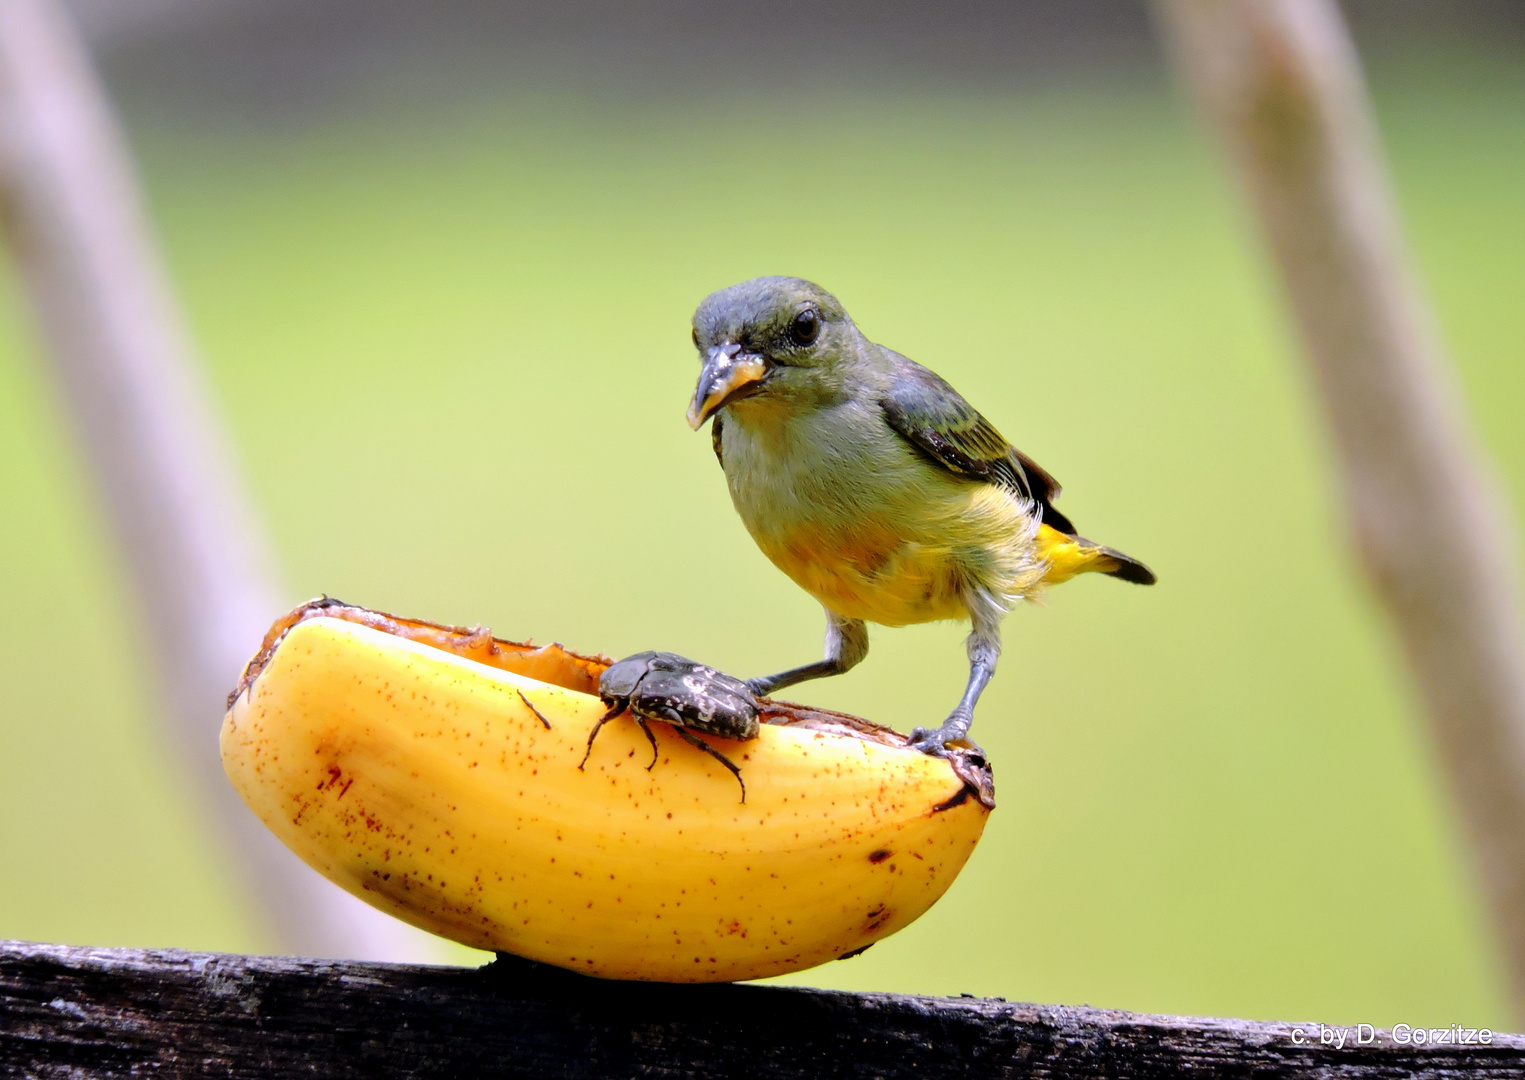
(1281, 85)
(186, 530)
(119, 1012)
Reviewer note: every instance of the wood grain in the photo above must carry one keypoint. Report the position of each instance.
(72, 1012)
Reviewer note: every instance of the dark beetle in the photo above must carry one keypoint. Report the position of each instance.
(675, 690)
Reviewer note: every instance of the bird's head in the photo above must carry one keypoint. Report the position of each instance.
(772, 339)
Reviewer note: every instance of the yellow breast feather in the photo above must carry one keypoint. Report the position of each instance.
(914, 566)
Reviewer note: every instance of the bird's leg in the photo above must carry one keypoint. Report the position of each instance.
(846, 644)
(984, 646)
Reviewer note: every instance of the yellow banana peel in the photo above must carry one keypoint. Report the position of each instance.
(433, 772)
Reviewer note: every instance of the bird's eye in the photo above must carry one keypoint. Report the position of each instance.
(805, 327)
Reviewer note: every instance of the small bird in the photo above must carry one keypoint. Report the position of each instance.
(874, 485)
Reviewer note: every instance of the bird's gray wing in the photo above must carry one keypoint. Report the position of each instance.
(935, 418)
(715, 437)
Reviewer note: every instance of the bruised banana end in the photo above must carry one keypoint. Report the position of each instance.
(433, 772)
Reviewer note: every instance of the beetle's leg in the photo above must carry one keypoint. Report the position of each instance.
(716, 754)
(614, 711)
(538, 714)
(639, 719)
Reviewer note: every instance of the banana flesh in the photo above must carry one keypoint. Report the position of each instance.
(432, 771)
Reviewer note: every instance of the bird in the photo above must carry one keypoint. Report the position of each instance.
(871, 482)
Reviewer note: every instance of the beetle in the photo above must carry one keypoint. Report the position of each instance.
(677, 691)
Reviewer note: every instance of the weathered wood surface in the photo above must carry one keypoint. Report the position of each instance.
(73, 1012)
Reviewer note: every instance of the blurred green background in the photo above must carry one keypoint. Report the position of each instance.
(452, 346)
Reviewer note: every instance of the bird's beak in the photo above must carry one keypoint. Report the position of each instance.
(728, 374)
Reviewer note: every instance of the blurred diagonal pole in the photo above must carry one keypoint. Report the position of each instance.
(189, 538)
(1280, 83)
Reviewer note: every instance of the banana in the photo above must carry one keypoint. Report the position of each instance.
(433, 772)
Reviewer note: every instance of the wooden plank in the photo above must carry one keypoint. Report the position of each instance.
(68, 1011)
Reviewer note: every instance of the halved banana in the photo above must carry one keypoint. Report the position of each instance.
(433, 772)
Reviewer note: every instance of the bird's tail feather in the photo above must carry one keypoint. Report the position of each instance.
(1068, 555)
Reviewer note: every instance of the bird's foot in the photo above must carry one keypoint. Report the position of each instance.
(935, 741)
(760, 687)
(929, 741)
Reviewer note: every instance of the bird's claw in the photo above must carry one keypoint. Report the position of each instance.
(929, 741)
(935, 742)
